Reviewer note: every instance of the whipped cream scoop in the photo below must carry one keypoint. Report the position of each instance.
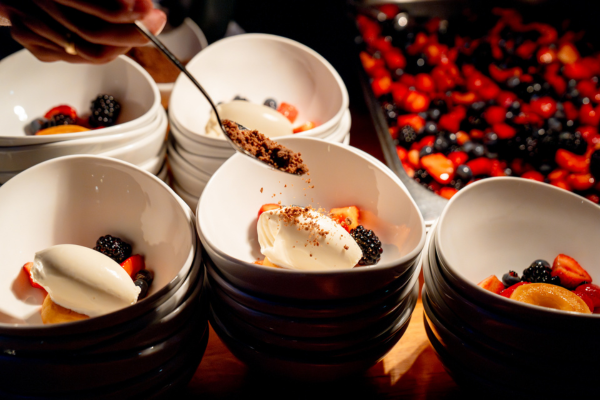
(83, 280)
(304, 239)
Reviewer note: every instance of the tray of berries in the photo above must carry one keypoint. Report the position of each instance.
(496, 92)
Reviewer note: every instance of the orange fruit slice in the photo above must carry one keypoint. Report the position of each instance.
(55, 130)
(551, 296)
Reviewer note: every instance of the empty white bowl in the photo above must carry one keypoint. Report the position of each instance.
(76, 200)
(272, 67)
(501, 224)
(192, 146)
(342, 176)
(26, 96)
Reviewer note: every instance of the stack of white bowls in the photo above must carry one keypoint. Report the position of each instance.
(31, 88)
(310, 325)
(492, 344)
(256, 67)
(141, 351)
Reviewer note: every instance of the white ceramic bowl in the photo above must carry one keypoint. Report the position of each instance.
(26, 96)
(189, 199)
(208, 165)
(272, 67)
(502, 224)
(192, 146)
(76, 200)
(226, 219)
(155, 164)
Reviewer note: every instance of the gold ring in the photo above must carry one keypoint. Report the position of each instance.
(70, 46)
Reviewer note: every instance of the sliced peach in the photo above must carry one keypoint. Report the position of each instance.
(346, 216)
(551, 296)
(53, 313)
(55, 130)
(492, 283)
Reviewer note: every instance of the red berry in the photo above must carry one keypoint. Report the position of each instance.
(413, 120)
(570, 272)
(495, 115)
(509, 290)
(416, 102)
(439, 167)
(424, 83)
(480, 166)
(533, 175)
(545, 106)
(447, 192)
(381, 86)
(394, 59)
(581, 181)
(572, 162)
(504, 131)
(593, 291)
(62, 109)
(288, 111)
(458, 157)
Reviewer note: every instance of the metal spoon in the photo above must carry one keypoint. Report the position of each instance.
(182, 68)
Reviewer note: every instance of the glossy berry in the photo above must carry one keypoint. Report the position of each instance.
(464, 173)
(145, 275)
(572, 142)
(143, 285)
(407, 136)
(105, 111)
(510, 278)
(271, 103)
(441, 144)
(238, 97)
(540, 271)
(36, 125)
(426, 151)
(114, 248)
(59, 119)
(369, 243)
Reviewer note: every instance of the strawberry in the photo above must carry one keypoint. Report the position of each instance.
(346, 216)
(27, 268)
(418, 45)
(380, 86)
(410, 171)
(428, 140)
(505, 99)
(545, 106)
(458, 158)
(402, 153)
(480, 166)
(305, 127)
(570, 110)
(463, 98)
(546, 55)
(447, 192)
(594, 198)
(477, 134)
(413, 159)
(462, 137)
(586, 298)
(570, 272)
(399, 92)
(495, 115)
(509, 290)
(390, 10)
(587, 88)
(567, 53)
(572, 162)
(267, 207)
(424, 83)
(449, 122)
(416, 102)
(501, 75)
(581, 181)
(561, 183)
(413, 120)
(533, 175)
(504, 131)
(435, 53)
(62, 109)
(288, 111)
(439, 167)
(588, 115)
(526, 49)
(394, 59)
(381, 44)
(492, 284)
(593, 291)
(133, 265)
(548, 34)
(578, 71)
(370, 63)
(408, 79)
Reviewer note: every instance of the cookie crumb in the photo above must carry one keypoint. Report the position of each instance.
(261, 190)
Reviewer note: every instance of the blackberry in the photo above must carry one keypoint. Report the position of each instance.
(407, 136)
(422, 176)
(572, 142)
(271, 103)
(58, 119)
(369, 243)
(595, 164)
(540, 272)
(114, 248)
(105, 111)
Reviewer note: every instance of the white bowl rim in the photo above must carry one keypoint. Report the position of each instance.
(22, 328)
(486, 293)
(405, 260)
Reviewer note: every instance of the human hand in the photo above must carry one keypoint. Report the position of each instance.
(80, 31)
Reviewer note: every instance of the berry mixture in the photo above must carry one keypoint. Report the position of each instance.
(348, 218)
(565, 285)
(105, 110)
(486, 96)
(287, 110)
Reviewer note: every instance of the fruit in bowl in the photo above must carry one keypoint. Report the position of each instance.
(303, 238)
(105, 111)
(564, 286)
(486, 96)
(81, 282)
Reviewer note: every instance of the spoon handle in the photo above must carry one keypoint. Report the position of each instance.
(178, 64)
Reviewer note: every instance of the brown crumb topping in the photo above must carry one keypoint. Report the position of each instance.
(265, 149)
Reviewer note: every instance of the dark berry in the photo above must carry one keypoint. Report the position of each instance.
(105, 111)
(238, 97)
(143, 285)
(36, 125)
(271, 103)
(572, 142)
(57, 120)
(510, 278)
(478, 151)
(441, 144)
(426, 151)
(145, 275)
(539, 272)
(595, 164)
(491, 142)
(464, 173)
(407, 136)
(422, 176)
(114, 248)
(439, 104)
(369, 243)
(554, 124)
(431, 128)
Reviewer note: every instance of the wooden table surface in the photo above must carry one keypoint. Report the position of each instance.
(411, 370)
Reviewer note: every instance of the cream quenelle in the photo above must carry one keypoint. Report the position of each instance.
(304, 239)
(83, 280)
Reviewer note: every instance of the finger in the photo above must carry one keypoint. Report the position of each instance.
(94, 53)
(95, 30)
(40, 47)
(116, 11)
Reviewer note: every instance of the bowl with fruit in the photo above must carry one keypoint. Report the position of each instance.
(347, 194)
(506, 229)
(40, 108)
(277, 73)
